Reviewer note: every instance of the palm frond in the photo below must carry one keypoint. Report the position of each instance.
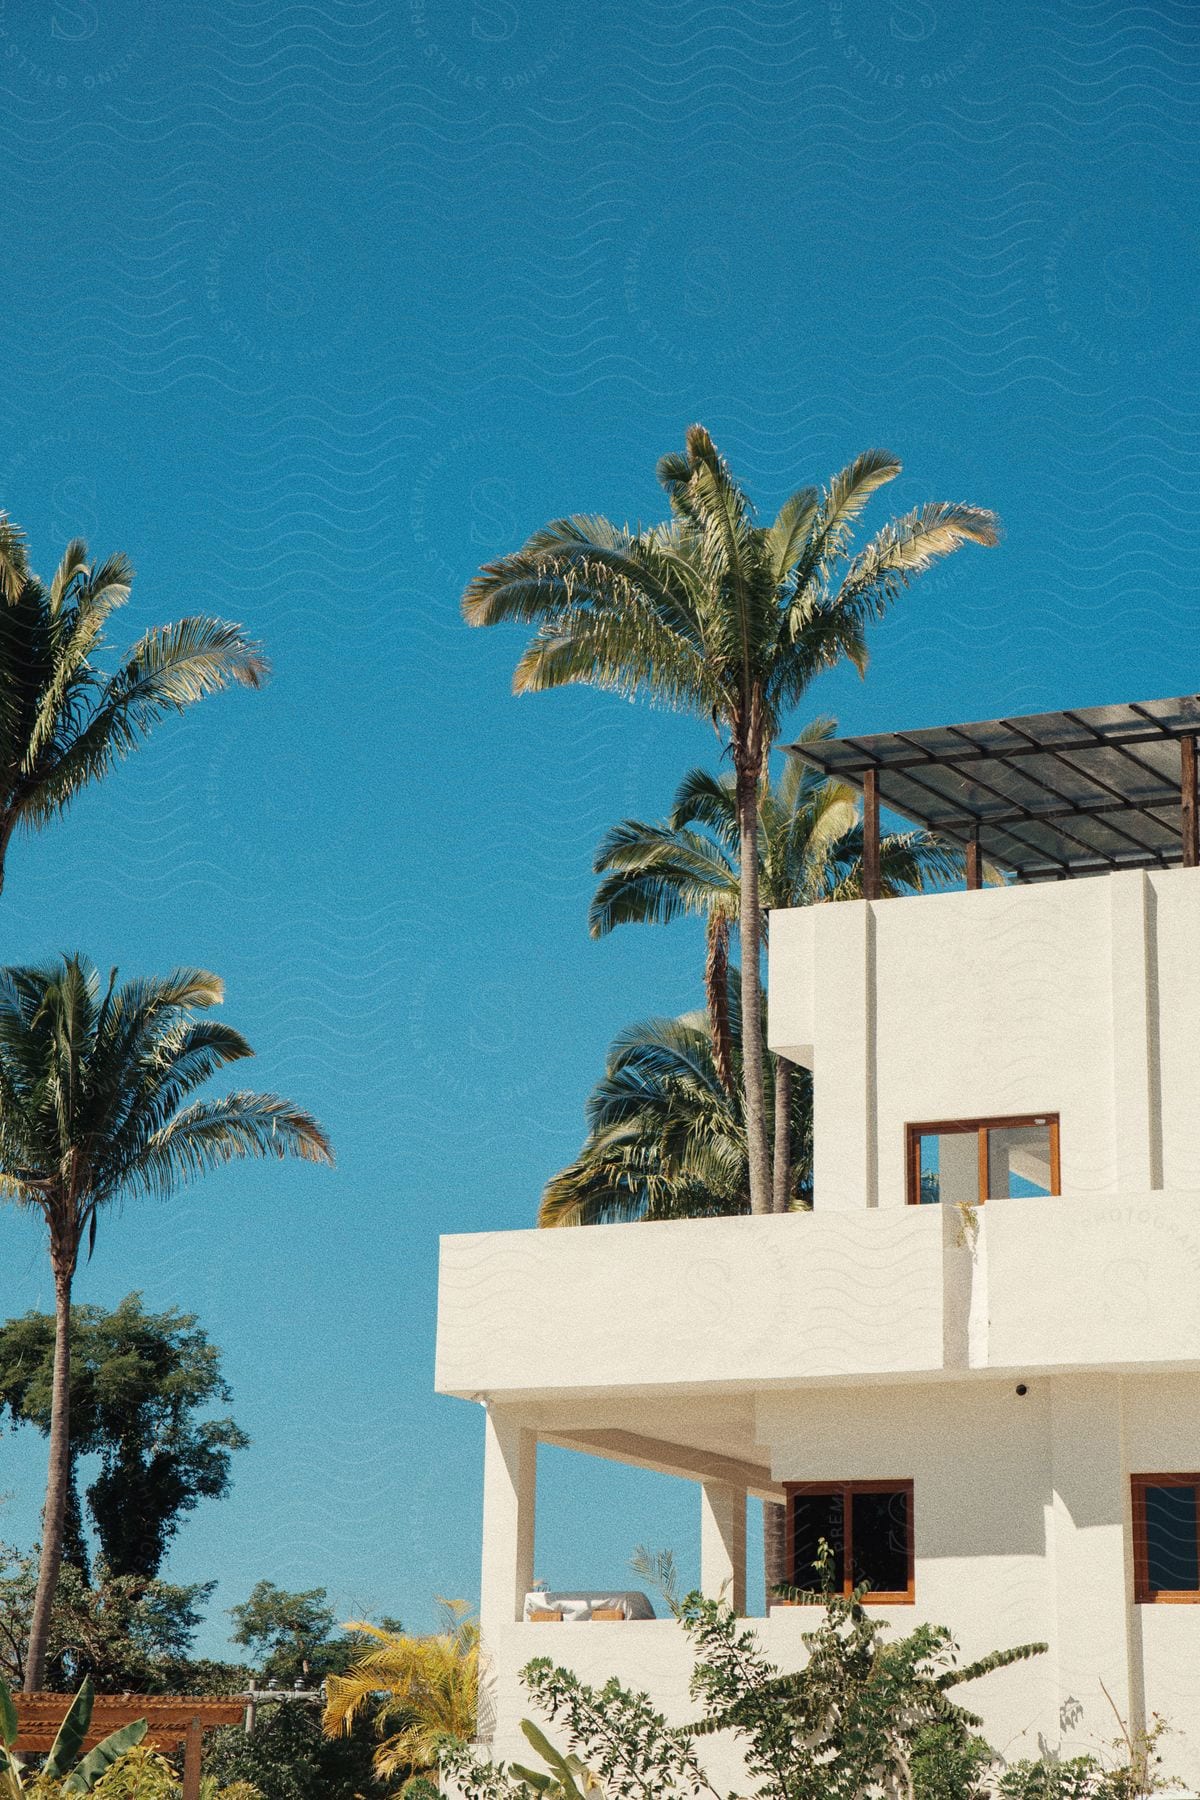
(787, 536)
(14, 559)
(906, 547)
(208, 1134)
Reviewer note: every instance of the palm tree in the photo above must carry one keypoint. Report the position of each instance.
(94, 1108)
(809, 852)
(423, 1690)
(720, 616)
(667, 1136)
(63, 721)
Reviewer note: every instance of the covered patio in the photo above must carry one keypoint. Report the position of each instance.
(719, 1455)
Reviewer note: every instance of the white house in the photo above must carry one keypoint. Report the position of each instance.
(994, 1409)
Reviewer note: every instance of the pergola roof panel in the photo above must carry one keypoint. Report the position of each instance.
(1045, 795)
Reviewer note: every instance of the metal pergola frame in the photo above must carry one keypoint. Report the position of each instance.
(1044, 796)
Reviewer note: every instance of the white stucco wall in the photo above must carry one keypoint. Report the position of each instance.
(1074, 997)
(1022, 1533)
(979, 1458)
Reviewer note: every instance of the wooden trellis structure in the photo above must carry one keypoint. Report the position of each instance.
(172, 1721)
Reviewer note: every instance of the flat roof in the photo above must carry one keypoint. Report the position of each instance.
(1048, 796)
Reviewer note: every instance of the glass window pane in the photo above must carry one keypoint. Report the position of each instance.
(880, 1539)
(1172, 1554)
(817, 1516)
(949, 1167)
(1018, 1161)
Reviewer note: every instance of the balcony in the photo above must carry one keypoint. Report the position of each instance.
(737, 1305)
(718, 1303)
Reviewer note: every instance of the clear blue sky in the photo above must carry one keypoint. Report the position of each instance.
(312, 307)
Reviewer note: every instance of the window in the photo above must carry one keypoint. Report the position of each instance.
(868, 1525)
(969, 1160)
(1166, 1537)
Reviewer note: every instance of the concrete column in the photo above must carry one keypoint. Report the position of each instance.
(509, 1510)
(1138, 1106)
(845, 1155)
(723, 1543)
(1088, 1559)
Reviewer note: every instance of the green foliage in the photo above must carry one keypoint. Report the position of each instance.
(125, 1632)
(140, 1774)
(1131, 1769)
(138, 1381)
(137, 1773)
(288, 1757)
(864, 1716)
(950, 1762)
(666, 1139)
(64, 720)
(291, 1635)
(566, 1777)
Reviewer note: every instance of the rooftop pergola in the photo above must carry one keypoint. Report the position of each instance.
(1044, 797)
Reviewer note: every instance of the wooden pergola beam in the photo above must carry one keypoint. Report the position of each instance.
(870, 856)
(171, 1720)
(1189, 816)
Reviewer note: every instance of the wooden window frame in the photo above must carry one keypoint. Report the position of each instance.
(1143, 1593)
(847, 1489)
(947, 1127)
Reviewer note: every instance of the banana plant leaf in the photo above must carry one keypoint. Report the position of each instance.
(64, 1751)
(11, 1785)
(541, 1784)
(84, 1777)
(8, 1716)
(565, 1769)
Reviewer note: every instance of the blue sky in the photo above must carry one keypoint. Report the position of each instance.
(312, 307)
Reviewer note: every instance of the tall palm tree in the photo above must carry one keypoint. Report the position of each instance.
(666, 1135)
(64, 722)
(720, 616)
(421, 1690)
(809, 852)
(95, 1082)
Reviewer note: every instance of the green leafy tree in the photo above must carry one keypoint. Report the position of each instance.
(666, 1136)
(809, 852)
(291, 1635)
(138, 1381)
(64, 721)
(95, 1082)
(289, 1757)
(718, 615)
(127, 1633)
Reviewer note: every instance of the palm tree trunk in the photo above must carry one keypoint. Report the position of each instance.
(750, 924)
(8, 824)
(58, 1481)
(716, 989)
(781, 1197)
